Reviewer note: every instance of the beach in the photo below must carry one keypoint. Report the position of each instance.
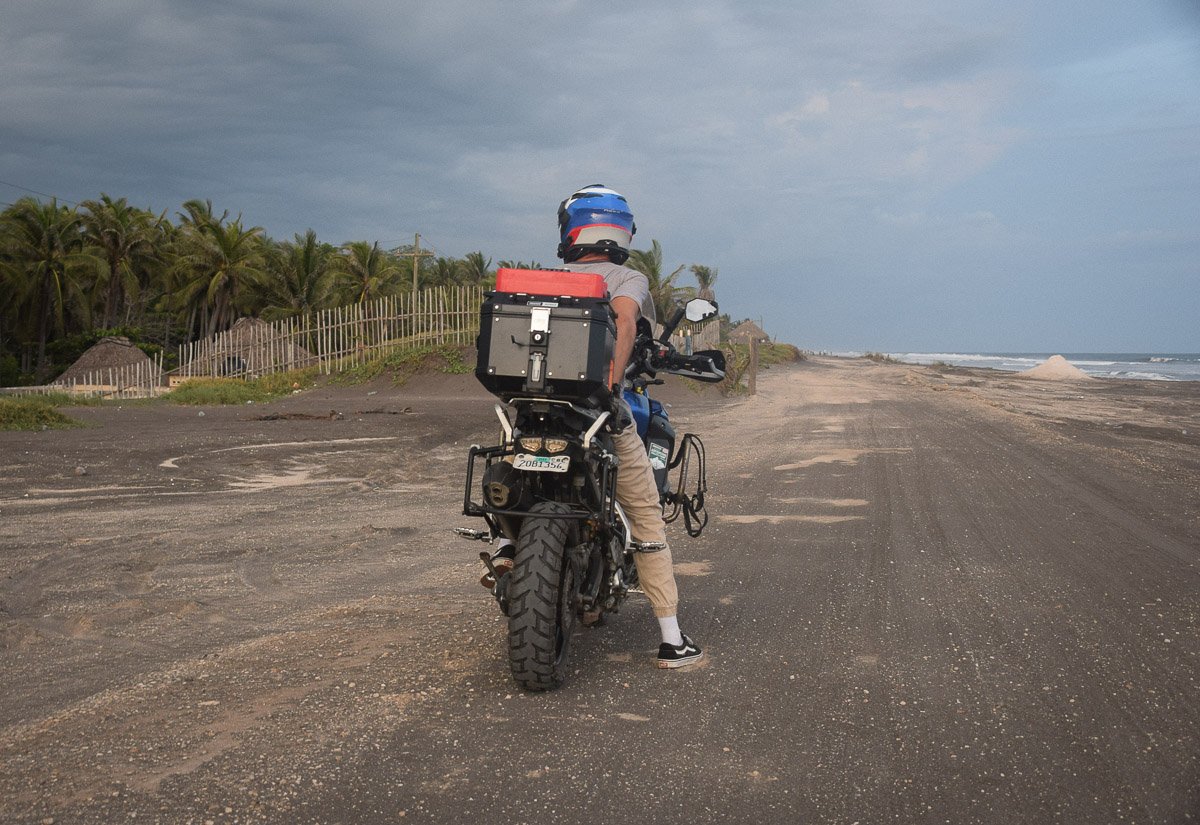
(925, 594)
(1141, 366)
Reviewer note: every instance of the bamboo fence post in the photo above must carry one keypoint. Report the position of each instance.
(441, 316)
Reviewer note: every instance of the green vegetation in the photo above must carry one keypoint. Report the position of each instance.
(400, 366)
(880, 358)
(72, 274)
(769, 354)
(34, 412)
(403, 364)
(217, 391)
(737, 362)
(666, 295)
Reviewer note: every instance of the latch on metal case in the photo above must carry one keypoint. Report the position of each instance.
(539, 340)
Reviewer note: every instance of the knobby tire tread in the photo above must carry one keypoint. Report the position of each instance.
(539, 629)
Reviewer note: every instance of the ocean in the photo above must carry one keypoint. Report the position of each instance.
(1139, 365)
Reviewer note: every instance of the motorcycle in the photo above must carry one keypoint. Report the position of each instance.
(550, 484)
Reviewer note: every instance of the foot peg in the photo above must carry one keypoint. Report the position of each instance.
(476, 535)
(647, 546)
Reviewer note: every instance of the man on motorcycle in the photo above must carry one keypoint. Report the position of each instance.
(595, 230)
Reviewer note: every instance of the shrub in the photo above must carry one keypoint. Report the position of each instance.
(33, 412)
(217, 391)
(737, 362)
(404, 363)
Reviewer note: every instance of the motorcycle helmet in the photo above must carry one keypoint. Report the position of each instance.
(595, 219)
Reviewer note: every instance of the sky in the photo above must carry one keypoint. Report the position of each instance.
(933, 175)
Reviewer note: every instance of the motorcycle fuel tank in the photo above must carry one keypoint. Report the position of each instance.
(640, 405)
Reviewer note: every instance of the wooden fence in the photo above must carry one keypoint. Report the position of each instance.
(336, 338)
(141, 380)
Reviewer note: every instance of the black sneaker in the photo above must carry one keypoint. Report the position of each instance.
(686, 654)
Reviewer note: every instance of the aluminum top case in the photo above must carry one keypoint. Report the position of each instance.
(547, 334)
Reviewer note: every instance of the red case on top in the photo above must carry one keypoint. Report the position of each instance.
(551, 282)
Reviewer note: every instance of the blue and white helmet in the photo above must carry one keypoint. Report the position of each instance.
(595, 219)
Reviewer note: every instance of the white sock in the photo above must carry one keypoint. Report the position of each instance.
(669, 627)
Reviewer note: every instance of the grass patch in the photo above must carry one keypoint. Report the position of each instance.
(62, 399)
(880, 358)
(218, 391)
(769, 354)
(402, 364)
(34, 412)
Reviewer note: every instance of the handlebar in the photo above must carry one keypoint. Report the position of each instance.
(651, 356)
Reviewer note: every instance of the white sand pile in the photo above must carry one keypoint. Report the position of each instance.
(1057, 368)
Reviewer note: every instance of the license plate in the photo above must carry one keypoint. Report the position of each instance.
(542, 463)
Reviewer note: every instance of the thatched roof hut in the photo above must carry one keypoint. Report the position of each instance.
(748, 331)
(111, 360)
(249, 348)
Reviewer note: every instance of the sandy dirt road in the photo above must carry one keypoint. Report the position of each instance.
(924, 597)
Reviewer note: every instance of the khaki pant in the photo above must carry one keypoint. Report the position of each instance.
(638, 496)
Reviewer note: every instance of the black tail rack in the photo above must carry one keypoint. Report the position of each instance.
(602, 492)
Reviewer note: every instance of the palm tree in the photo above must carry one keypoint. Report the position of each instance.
(705, 277)
(14, 284)
(477, 269)
(443, 271)
(367, 272)
(43, 248)
(200, 213)
(300, 278)
(190, 302)
(126, 240)
(153, 273)
(662, 287)
(167, 277)
(221, 260)
(519, 265)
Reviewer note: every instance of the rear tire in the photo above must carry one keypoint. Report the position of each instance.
(542, 591)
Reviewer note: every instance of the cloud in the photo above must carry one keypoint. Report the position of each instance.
(926, 136)
(873, 141)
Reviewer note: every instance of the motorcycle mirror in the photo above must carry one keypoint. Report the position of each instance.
(698, 309)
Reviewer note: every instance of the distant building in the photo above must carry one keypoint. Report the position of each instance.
(113, 366)
(747, 332)
(248, 349)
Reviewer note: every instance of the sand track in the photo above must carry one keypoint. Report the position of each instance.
(923, 597)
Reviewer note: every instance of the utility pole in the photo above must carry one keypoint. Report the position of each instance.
(753, 379)
(416, 255)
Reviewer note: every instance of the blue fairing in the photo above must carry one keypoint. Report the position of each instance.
(640, 405)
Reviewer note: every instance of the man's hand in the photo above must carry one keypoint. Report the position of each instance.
(620, 413)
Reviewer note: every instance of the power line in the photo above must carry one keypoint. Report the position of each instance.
(36, 192)
(397, 244)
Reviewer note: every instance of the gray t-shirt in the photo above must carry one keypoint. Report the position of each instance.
(621, 281)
